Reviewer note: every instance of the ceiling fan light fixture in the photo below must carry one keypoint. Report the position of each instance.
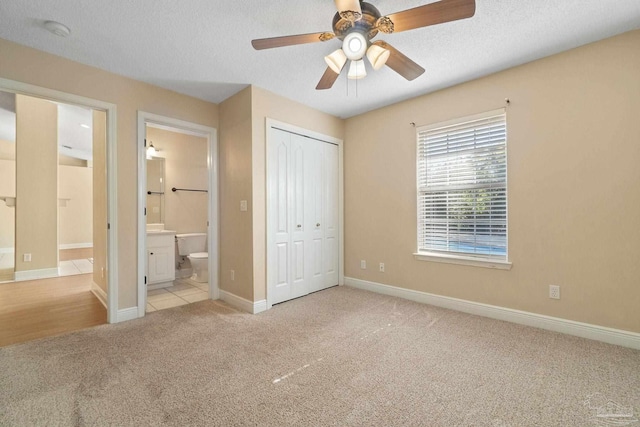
(336, 60)
(349, 9)
(357, 70)
(354, 45)
(377, 56)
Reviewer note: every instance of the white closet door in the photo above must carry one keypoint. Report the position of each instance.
(331, 218)
(302, 202)
(279, 219)
(315, 207)
(300, 230)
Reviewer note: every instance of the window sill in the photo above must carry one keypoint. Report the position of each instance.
(462, 260)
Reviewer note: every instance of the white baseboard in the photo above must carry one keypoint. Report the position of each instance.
(44, 273)
(126, 314)
(243, 304)
(99, 293)
(75, 245)
(579, 329)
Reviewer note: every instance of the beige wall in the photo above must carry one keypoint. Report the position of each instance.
(185, 167)
(76, 218)
(99, 179)
(36, 183)
(28, 65)
(574, 193)
(235, 185)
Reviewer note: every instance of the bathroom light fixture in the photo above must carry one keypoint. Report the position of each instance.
(151, 151)
(57, 28)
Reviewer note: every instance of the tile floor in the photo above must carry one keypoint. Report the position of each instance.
(76, 266)
(183, 291)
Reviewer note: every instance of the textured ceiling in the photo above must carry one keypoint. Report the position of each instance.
(202, 47)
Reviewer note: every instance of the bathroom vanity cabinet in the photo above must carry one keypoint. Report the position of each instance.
(161, 259)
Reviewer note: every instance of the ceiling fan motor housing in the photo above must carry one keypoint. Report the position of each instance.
(366, 25)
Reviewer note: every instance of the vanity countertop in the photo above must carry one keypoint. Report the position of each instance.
(160, 232)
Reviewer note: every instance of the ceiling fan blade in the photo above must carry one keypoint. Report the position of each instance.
(272, 42)
(399, 63)
(328, 79)
(432, 13)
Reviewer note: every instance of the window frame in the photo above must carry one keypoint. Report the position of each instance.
(477, 260)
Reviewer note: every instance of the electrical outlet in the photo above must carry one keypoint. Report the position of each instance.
(233, 275)
(26, 258)
(554, 291)
(102, 272)
(382, 267)
(363, 264)
(243, 205)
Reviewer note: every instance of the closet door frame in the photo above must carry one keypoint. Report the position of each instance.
(271, 256)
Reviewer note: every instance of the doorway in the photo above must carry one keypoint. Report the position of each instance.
(56, 210)
(177, 203)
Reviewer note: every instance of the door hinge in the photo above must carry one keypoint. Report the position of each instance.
(145, 211)
(145, 280)
(108, 226)
(145, 142)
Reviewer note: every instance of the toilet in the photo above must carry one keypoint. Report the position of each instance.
(194, 246)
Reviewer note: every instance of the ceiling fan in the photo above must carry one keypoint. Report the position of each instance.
(357, 22)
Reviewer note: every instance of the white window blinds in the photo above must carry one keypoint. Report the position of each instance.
(462, 187)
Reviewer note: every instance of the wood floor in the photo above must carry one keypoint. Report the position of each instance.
(79, 253)
(41, 308)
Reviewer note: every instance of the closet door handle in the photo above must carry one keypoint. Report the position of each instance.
(318, 225)
(299, 226)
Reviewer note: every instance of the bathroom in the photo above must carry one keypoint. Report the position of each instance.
(177, 213)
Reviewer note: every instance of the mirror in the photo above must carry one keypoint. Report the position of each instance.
(155, 190)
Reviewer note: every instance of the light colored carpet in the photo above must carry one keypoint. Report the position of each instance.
(338, 357)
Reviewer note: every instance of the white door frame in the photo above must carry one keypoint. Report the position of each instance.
(213, 216)
(112, 196)
(271, 123)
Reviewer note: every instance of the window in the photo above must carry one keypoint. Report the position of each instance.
(462, 188)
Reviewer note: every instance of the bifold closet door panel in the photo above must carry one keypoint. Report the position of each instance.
(279, 195)
(331, 226)
(300, 228)
(315, 208)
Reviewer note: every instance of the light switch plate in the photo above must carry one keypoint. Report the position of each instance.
(243, 205)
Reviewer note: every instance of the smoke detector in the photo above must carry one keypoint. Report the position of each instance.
(57, 28)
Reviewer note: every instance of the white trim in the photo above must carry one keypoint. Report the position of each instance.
(462, 260)
(6, 250)
(271, 123)
(75, 245)
(211, 134)
(112, 173)
(570, 327)
(126, 314)
(44, 273)
(243, 304)
(99, 293)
